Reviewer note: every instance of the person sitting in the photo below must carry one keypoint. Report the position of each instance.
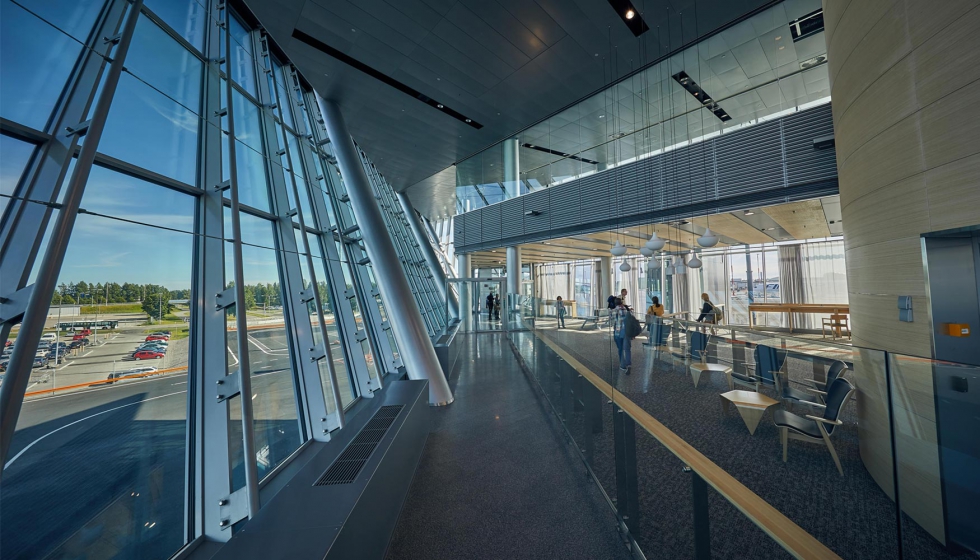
(655, 309)
(707, 311)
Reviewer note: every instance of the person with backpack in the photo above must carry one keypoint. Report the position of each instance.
(489, 306)
(625, 329)
(560, 311)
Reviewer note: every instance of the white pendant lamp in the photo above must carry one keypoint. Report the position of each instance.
(618, 249)
(694, 261)
(653, 265)
(679, 267)
(668, 267)
(646, 251)
(655, 243)
(625, 267)
(708, 239)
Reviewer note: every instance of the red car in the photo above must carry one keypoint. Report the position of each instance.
(147, 355)
(153, 337)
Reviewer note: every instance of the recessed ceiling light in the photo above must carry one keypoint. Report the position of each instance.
(769, 229)
(469, 120)
(778, 38)
(749, 212)
(440, 106)
(781, 48)
(601, 116)
(630, 13)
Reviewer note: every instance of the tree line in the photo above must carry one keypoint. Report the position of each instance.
(155, 298)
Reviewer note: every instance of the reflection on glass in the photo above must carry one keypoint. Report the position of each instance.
(242, 65)
(108, 481)
(167, 132)
(186, 17)
(36, 61)
(74, 17)
(162, 62)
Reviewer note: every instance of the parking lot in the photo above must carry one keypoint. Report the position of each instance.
(109, 354)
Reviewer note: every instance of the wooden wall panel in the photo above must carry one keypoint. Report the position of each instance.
(905, 79)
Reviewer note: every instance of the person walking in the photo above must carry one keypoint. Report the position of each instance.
(489, 306)
(621, 337)
(560, 311)
(496, 307)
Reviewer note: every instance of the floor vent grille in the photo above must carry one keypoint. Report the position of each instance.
(348, 465)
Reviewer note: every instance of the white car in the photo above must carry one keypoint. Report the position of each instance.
(49, 337)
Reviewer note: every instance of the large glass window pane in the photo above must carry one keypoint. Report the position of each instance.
(35, 61)
(247, 128)
(242, 65)
(97, 464)
(162, 62)
(187, 17)
(148, 129)
(12, 164)
(333, 335)
(74, 17)
(274, 408)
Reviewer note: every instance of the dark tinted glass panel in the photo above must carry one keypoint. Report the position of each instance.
(187, 17)
(35, 61)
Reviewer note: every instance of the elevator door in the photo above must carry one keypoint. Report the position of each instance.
(954, 295)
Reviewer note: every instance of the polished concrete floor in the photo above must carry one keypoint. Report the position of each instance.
(496, 479)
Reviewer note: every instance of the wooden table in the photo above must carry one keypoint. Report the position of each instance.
(824, 308)
(699, 368)
(750, 405)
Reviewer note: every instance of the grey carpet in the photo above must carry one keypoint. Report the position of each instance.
(496, 479)
(851, 515)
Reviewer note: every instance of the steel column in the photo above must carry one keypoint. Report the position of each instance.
(514, 270)
(512, 167)
(435, 267)
(702, 532)
(35, 311)
(409, 329)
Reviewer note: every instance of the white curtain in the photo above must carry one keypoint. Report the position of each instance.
(824, 276)
(791, 289)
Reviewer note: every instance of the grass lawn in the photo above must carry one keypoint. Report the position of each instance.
(177, 330)
(112, 308)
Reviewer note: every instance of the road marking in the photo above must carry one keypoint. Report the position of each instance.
(87, 353)
(22, 451)
(63, 367)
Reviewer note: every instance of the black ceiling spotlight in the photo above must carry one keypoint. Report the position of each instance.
(630, 16)
(694, 89)
(807, 25)
(557, 153)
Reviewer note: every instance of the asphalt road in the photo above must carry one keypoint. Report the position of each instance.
(100, 472)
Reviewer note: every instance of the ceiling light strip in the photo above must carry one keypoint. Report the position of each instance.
(408, 90)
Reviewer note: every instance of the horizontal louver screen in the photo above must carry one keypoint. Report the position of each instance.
(758, 165)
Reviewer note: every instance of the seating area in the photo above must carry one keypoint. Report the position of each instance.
(778, 415)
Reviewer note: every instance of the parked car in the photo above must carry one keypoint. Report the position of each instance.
(147, 355)
(40, 361)
(49, 337)
(135, 371)
(3, 364)
(157, 337)
(78, 336)
(161, 333)
(60, 345)
(81, 343)
(8, 343)
(56, 357)
(8, 351)
(84, 332)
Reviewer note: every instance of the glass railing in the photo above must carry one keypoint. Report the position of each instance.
(725, 441)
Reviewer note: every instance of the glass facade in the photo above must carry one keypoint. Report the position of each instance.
(121, 448)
